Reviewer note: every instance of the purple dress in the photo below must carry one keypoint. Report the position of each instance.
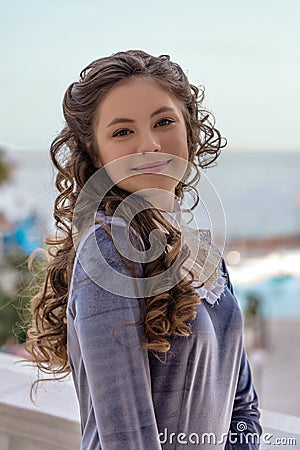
(128, 399)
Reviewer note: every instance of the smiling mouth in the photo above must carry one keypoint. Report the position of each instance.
(154, 167)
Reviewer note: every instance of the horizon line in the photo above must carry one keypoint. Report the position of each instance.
(4, 146)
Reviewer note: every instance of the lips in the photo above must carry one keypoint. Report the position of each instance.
(157, 165)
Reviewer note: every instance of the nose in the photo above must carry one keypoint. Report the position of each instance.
(148, 143)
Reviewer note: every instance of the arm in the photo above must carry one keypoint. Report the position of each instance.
(118, 373)
(245, 415)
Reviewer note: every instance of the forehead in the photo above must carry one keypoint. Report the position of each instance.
(135, 95)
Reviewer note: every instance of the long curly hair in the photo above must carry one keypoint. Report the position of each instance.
(168, 313)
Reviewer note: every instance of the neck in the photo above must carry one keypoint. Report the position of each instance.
(160, 199)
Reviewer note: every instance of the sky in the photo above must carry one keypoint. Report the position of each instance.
(246, 54)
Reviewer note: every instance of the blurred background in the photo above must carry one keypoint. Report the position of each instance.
(247, 57)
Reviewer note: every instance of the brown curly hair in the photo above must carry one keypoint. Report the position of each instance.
(167, 313)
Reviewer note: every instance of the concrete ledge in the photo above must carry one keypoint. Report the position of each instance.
(53, 422)
(24, 429)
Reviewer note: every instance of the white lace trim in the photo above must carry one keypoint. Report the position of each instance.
(210, 293)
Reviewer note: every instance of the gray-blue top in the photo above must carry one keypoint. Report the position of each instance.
(128, 399)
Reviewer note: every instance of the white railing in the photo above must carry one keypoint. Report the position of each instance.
(53, 423)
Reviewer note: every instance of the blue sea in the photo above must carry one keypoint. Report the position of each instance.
(259, 190)
(279, 297)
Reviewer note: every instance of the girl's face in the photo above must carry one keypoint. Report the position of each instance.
(141, 137)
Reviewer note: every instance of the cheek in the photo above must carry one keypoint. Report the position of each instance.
(105, 153)
(178, 144)
(111, 151)
(111, 157)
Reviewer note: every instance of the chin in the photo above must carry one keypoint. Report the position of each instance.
(145, 182)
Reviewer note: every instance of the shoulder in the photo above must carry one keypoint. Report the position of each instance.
(101, 276)
(105, 261)
(108, 241)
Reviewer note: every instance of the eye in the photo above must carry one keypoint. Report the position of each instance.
(165, 120)
(117, 133)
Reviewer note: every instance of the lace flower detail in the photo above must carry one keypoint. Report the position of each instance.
(212, 293)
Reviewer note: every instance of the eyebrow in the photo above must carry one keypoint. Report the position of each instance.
(155, 113)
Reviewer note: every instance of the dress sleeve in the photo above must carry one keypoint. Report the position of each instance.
(245, 428)
(117, 370)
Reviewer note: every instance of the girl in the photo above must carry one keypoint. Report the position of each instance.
(149, 328)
